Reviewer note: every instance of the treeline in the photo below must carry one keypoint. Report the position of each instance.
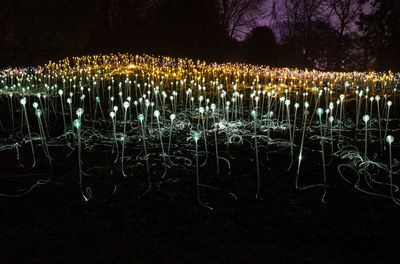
(328, 35)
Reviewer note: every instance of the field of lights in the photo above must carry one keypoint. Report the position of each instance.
(99, 123)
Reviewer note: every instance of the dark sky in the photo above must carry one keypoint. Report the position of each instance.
(366, 8)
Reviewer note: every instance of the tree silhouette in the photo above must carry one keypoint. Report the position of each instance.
(381, 33)
(261, 47)
(238, 16)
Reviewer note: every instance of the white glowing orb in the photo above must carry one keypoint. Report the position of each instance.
(79, 112)
(140, 117)
(390, 139)
(77, 123)
(196, 136)
(38, 112)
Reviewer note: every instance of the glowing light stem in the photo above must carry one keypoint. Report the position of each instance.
(141, 118)
(70, 114)
(157, 114)
(196, 137)
(44, 115)
(331, 118)
(23, 102)
(287, 103)
(124, 137)
(306, 112)
(390, 139)
(205, 138)
(340, 119)
(77, 124)
(323, 157)
(389, 103)
(215, 137)
(113, 120)
(359, 110)
(315, 107)
(294, 121)
(62, 109)
(269, 106)
(42, 136)
(254, 115)
(365, 119)
(12, 113)
(377, 98)
(370, 124)
(172, 117)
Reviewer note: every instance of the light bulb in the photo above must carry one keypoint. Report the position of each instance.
(254, 114)
(77, 123)
(390, 139)
(140, 117)
(38, 112)
(196, 136)
(79, 112)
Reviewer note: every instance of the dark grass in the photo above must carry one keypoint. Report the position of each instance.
(52, 224)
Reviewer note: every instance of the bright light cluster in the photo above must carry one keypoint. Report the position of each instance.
(161, 107)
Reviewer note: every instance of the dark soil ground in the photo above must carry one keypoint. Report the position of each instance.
(52, 224)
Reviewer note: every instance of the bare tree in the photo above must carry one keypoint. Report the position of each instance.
(239, 16)
(344, 14)
(295, 20)
(295, 17)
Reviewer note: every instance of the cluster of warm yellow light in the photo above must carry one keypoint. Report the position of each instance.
(182, 73)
